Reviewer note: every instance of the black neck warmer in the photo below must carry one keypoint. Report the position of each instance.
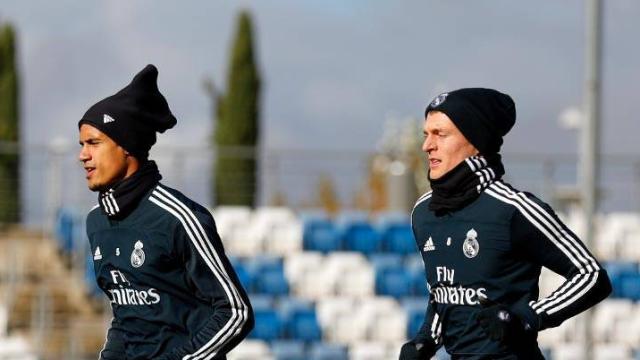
(121, 198)
(464, 183)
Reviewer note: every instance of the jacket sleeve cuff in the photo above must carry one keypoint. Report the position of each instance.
(530, 320)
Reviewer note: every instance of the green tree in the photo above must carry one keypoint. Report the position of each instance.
(9, 129)
(237, 129)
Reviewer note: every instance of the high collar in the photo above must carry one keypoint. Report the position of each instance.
(464, 183)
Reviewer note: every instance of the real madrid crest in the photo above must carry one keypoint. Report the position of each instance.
(439, 99)
(137, 256)
(470, 247)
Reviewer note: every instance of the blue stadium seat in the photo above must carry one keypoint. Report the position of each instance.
(415, 308)
(271, 281)
(262, 302)
(394, 281)
(383, 261)
(64, 230)
(320, 351)
(90, 278)
(618, 271)
(398, 238)
(300, 319)
(266, 275)
(362, 237)
(630, 286)
(268, 325)
(415, 267)
(303, 325)
(288, 350)
(321, 235)
(246, 279)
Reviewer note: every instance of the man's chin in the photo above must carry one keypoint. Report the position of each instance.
(96, 187)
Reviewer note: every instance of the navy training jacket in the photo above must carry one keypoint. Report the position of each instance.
(495, 247)
(172, 289)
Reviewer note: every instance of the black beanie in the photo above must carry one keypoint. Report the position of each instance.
(133, 115)
(483, 116)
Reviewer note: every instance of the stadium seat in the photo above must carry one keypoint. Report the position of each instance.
(288, 350)
(228, 220)
(251, 349)
(617, 271)
(415, 308)
(369, 350)
(322, 351)
(394, 281)
(389, 326)
(362, 237)
(329, 310)
(630, 286)
(263, 271)
(271, 281)
(612, 351)
(321, 235)
(246, 278)
(357, 282)
(627, 329)
(285, 238)
(268, 325)
(64, 230)
(262, 301)
(274, 229)
(90, 278)
(419, 282)
(383, 261)
(607, 315)
(568, 351)
(302, 324)
(297, 318)
(398, 239)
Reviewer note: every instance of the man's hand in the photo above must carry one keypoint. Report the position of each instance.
(498, 322)
(417, 351)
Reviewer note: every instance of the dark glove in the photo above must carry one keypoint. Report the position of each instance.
(417, 351)
(498, 322)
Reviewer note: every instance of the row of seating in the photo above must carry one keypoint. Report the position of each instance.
(280, 231)
(292, 350)
(314, 275)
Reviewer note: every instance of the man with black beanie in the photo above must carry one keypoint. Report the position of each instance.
(484, 243)
(156, 253)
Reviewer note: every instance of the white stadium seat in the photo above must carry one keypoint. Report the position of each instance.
(251, 350)
(612, 351)
(369, 350)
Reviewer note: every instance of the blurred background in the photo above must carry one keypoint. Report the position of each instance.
(299, 126)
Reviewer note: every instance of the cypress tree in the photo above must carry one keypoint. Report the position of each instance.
(9, 129)
(237, 130)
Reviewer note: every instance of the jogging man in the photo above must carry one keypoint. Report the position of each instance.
(484, 243)
(156, 253)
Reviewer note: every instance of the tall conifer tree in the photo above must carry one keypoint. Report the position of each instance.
(237, 129)
(9, 129)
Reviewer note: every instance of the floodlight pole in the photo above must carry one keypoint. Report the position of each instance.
(590, 151)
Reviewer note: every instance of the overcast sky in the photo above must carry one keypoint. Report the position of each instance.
(333, 71)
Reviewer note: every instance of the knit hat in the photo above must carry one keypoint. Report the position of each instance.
(134, 114)
(483, 116)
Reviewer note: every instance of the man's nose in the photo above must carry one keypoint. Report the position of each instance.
(427, 145)
(83, 155)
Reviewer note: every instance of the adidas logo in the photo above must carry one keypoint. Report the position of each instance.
(428, 246)
(97, 255)
(107, 119)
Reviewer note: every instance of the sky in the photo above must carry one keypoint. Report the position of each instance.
(329, 65)
(333, 72)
